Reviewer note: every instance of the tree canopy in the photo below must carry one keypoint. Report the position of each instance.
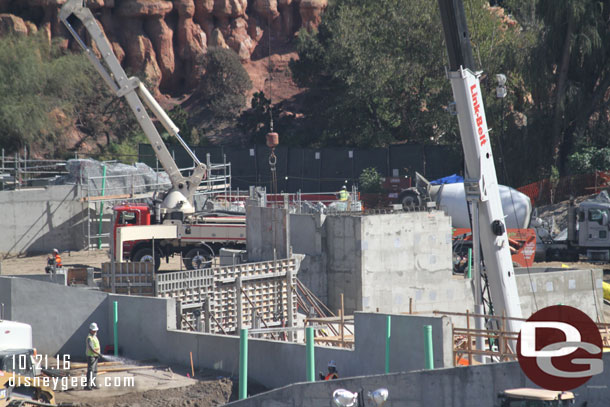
(40, 88)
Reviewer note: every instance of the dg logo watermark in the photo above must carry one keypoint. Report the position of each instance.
(560, 348)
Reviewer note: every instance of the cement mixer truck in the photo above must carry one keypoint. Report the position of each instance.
(451, 197)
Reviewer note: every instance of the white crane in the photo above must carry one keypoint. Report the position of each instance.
(481, 182)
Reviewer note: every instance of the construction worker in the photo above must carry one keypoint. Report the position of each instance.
(53, 262)
(332, 372)
(57, 258)
(93, 356)
(343, 195)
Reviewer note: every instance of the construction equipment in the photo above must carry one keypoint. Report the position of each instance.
(588, 233)
(525, 397)
(452, 197)
(197, 237)
(18, 384)
(480, 183)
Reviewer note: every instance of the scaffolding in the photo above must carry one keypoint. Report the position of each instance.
(17, 171)
(100, 193)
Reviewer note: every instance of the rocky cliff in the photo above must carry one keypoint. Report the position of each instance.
(162, 40)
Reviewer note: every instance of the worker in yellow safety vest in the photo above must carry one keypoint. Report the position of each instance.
(93, 355)
(343, 195)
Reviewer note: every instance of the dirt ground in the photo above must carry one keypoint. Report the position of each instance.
(158, 387)
(13, 265)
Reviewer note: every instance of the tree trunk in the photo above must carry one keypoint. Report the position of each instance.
(557, 135)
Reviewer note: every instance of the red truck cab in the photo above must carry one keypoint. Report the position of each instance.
(130, 215)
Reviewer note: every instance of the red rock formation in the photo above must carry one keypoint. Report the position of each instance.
(10, 24)
(192, 41)
(139, 52)
(164, 39)
(311, 13)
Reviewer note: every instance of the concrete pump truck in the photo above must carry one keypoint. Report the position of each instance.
(169, 226)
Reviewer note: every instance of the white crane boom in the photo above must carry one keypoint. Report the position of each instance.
(132, 89)
(481, 183)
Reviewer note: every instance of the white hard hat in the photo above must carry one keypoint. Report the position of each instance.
(332, 363)
(93, 327)
(55, 251)
(343, 187)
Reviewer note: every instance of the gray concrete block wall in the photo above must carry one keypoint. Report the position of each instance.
(476, 386)
(140, 322)
(406, 343)
(38, 220)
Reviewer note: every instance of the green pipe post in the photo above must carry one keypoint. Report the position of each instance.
(428, 348)
(243, 364)
(309, 350)
(115, 323)
(469, 263)
(99, 230)
(388, 334)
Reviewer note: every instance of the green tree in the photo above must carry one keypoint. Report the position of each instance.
(225, 83)
(572, 83)
(376, 70)
(370, 180)
(41, 87)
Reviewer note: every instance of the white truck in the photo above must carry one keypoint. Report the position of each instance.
(170, 226)
(587, 234)
(17, 360)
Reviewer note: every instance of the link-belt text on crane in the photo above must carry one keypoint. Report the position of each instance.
(477, 113)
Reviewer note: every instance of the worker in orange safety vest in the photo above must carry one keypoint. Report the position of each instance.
(332, 372)
(53, 262)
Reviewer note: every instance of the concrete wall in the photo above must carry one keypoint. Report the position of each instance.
(581, 289)
(344, 261)
(380, 261)
(308, 237)
(267, 228)
(387, 262)
(476, 386)
(411, 254)
(60, 317)
(38, 220)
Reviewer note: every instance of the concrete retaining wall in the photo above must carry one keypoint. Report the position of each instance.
(307, 236)
(581, 289)
(266, 229)
(476, 386)
(38, 220)
(60, 317)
